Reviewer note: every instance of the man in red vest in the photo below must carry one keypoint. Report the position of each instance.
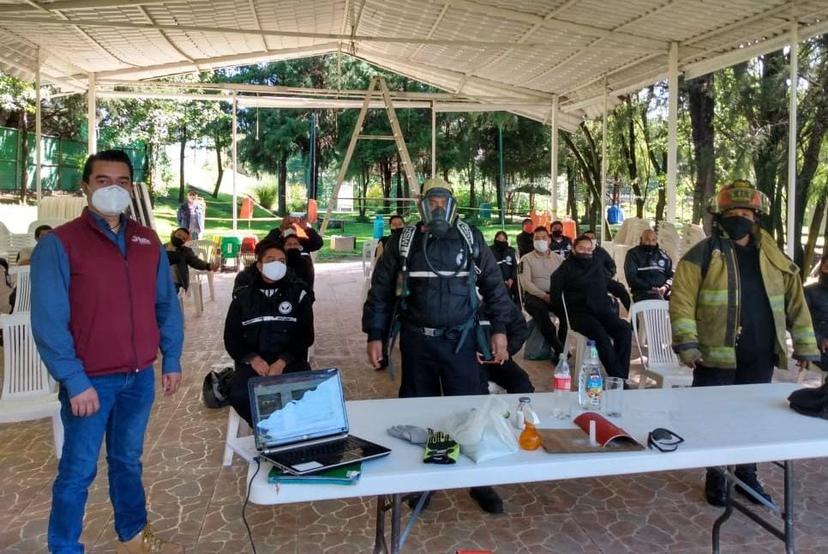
(103, 302)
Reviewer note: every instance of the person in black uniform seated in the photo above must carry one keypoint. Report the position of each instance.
(559, 243)
(649, 269)
(441, 263)
(269, 325)
(298, 260)
(507, 260)
(509, 374)
(586, 284)
(525, 239)
(601, 255)
(182, 258)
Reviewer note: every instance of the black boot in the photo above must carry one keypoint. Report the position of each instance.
(748, 475)
(715, 488)
(488, 500)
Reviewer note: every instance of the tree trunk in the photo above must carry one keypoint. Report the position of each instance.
(24, 155)
(702, 103)
(386, 175)
(219, 166)
(813, 233)
(811, 155)
(629, 152)
(282, 185)
(472, 191)
(571, 200)
(400, 203)
(182, 194)
(660, 204)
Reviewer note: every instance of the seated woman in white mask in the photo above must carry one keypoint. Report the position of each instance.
(269, 325)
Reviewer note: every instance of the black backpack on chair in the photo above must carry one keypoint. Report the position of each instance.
(215, 392)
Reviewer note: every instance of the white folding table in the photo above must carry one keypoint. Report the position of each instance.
(722, 427)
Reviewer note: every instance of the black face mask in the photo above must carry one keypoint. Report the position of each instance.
(395, 232)
(178, 242)
(293, 255)
(557, 233)
(649, 247)
(500, 245)
(583, 260)
(736, 227)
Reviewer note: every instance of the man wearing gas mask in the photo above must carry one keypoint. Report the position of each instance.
(441, 263)
(269, 325)
(649, 269)
(734, 296)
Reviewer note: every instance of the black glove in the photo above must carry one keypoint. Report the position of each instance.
(440, 448)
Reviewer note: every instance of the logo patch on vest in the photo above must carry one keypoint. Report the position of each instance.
(661, 263)
(141, 240)
(285, 307)
(459, 259)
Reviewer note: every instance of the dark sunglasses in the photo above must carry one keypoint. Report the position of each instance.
(663, 440)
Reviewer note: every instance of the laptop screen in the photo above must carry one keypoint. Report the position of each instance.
(295, 407)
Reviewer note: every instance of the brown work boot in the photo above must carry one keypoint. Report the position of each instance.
(146, 541)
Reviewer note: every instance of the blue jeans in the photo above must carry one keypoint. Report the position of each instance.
(126, 400)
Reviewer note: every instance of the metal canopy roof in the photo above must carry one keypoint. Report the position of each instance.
(524, 50)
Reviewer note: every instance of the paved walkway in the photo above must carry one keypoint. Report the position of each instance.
(197, 502)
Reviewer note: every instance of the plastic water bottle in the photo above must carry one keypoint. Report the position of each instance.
(562, 380)
(562, 384)
(590, 380)
(378, 228)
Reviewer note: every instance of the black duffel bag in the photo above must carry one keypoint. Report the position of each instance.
(216, 388)
(811, 402)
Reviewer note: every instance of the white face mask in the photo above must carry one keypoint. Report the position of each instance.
(541, 246)
(111, 200)
(274, 270)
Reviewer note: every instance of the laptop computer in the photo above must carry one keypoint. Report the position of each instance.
(301, 424)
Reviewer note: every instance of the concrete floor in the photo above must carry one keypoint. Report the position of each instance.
(197, 502)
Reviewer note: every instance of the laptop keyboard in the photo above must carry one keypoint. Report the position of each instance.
(333, 450)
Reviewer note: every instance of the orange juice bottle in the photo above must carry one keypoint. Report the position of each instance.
(529, 438)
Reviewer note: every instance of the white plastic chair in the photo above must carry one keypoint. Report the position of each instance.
(28, 391)
(574, 341)
(369, 247)
(22, 283)
(50, 221)
(17, 242)
(235, 424)
(662, 364)
(204, 254)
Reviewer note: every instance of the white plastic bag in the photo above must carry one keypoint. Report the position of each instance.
(483, 433)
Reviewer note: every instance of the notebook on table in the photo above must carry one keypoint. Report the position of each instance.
(300, 423)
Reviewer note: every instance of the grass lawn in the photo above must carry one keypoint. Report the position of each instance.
(219, 221)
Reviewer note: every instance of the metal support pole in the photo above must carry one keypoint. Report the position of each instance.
(501, 198)
(604, 139)
(553, 158)
(38, 134)
(91, 120)
(235, 161)
(672, 134)
(792, 122)
(433, 142)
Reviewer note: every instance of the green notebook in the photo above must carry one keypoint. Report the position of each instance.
(343, 475)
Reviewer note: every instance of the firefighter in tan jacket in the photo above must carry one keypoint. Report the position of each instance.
(734, 296)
